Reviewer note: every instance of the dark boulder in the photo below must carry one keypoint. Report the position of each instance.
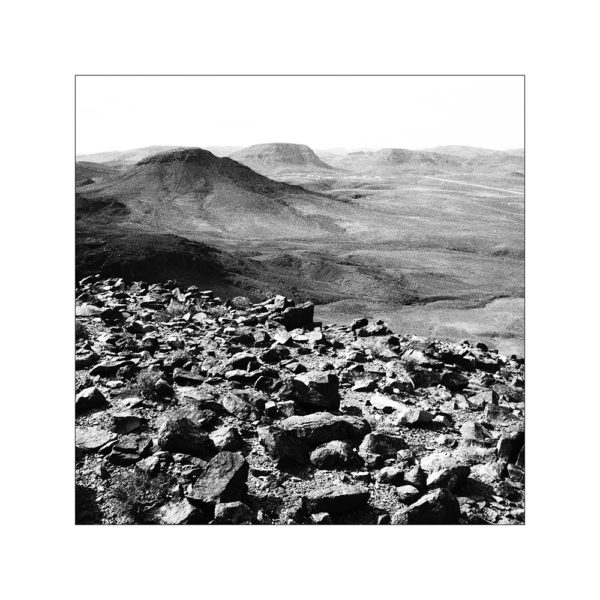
(333, 455)
(89, 398)
(301, 315)
(180, 434)
(224, 479)
(439, 507)
(283, 446)
(318, 389)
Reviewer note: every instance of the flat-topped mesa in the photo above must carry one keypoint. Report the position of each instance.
(279, 158)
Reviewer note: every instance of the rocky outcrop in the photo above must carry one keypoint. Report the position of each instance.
(194, 410)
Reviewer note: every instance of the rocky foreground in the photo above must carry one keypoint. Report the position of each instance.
(194, 410)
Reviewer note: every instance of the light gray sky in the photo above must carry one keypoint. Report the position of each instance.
(119, 113)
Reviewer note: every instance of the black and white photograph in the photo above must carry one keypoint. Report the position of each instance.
(299, 299)
(309, 311)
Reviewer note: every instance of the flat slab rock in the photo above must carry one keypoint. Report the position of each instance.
(91, 439)
(224, 480)
(337, 499)
(319, 428)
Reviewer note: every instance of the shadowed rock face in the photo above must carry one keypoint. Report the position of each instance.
(190, 419)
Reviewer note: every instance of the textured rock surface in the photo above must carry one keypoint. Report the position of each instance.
(194, 410)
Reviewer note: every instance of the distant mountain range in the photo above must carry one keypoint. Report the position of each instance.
(281, 159)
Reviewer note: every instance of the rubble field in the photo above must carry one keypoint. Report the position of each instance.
(194, 410)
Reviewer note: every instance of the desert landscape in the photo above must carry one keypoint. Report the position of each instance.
(431, 240)
(275, 335)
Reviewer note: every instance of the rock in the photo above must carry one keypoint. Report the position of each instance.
(129, 449)
(415, 357)
(275, 354)
(414, 416)
(454, 381)
(183, 377)
(482, 399)
(407, 493)
(163, 389)
(508, 393)
(322, 427)
(281, 336)
(89, 398)
(499, 415)
(84, 360)
(283, 446)
(238, 407)
(297, 316)
(381, 443)
(109, 368)
(333, 455)
(516, 473)
(233, 513)
(437, 461)
(445, 440)
(322, 518)
(227, 438)
(390, 476)
(111, 316)
(442, 421)
(364, 385)
(439, 507)
(474, 433)
(127, 422)
(371, 461)
(385, 404)
(422, 378)
(415, 477)
(243, 361)
(452, 478)
(180, 434)
(336, 499)
(488, 473)
(318, 389)
(223, 480)
(509, 446)
(358, 324)
(91, 439)
(150, 465)
(180, 513)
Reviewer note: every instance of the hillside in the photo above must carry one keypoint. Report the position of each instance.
(125, 157)
(388, 160)
(191, 191)
(274, 159)
(190, 409)
(90, 172)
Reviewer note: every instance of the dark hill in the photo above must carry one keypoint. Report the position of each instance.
(191, 191)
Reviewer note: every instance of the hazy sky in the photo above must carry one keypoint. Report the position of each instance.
(119, 113)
